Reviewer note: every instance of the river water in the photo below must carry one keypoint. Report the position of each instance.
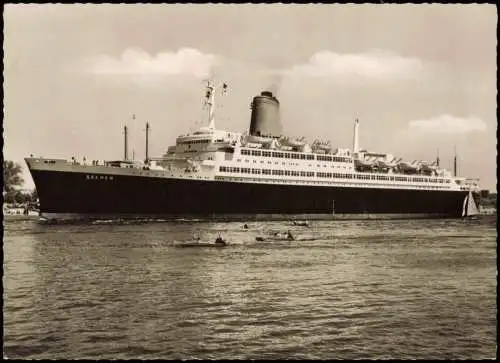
(345, 290)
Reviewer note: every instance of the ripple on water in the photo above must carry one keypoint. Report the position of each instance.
(361, 289)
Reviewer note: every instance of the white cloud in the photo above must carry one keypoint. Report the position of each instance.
(375, 64)
(137, 62)
(448, 124)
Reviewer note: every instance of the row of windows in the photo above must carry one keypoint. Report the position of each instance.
(333, 175)
(192, 142)
(332, 158)
(326, 175)
(288, 155)
(230, 169)
(98, 177)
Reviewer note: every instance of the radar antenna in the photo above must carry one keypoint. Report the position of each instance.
(210, 101)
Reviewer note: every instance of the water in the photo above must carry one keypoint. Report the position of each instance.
(354, 289)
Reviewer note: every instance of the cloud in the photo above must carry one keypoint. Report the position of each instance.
(448, 124)
(137, 62)
(375, 64)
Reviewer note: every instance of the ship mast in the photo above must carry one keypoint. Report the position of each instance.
(125, 132)
(210, 101)
(455, 163)
(356, 137)
(147, 142)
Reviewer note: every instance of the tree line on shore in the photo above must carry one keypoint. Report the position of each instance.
(12, 184)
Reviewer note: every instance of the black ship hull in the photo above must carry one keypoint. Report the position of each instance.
(73, 195)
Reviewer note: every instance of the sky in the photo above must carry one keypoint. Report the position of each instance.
(421, 79)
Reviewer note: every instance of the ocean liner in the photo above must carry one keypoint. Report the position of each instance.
(257, 174)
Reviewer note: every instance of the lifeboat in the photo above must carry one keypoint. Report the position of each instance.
(323, 146)
(429, 168)
(388, 164)
(364, 162)
(285, 141)
(413, 167)
(259, 139)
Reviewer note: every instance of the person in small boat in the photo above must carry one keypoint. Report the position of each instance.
(245, 226)
(290, 236)
(219, 241)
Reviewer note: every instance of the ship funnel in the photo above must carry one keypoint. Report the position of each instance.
(265, 118)
(356, 136)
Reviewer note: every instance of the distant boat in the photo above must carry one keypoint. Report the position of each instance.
(303, 223)
(469, 208)
(277, 237)
(219, 242)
